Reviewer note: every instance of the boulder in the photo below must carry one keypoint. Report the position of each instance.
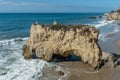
(63, 40)
(100, 16)
(92, 17)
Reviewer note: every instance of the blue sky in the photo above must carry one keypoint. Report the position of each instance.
(51, 6)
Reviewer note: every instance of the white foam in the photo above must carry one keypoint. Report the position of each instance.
(103, 23)
(11, 41)
(15, 66)
(24, 70)
(116, 30)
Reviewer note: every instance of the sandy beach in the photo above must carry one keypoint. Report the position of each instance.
(80, 71)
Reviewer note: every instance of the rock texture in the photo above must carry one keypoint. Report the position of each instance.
(81, 40)
(114, 15)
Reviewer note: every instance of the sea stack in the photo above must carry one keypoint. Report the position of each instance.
(63, 40)
(113, 15)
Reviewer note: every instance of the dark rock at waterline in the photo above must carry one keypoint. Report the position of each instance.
(92, 17)
(100, 16)
(3, 73)
(18, 40)
(60, 73)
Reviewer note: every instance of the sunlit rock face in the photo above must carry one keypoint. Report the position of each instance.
(114, 15)
(63, 40)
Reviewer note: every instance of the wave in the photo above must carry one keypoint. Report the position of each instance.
(12, 41)
(24, 70)
(103, 23)
(12, 64)
(106, 27)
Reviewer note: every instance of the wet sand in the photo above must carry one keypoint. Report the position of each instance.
(80, 71)
(112, 45)
(118, 45)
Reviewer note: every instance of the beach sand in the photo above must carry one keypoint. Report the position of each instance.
(80, 71)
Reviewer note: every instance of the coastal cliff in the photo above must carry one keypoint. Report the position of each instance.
(63, 40)
(113, 15)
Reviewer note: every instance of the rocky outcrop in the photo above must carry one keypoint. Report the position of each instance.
(114, 15)
(93, 17)
(100, 16)
(63, 40)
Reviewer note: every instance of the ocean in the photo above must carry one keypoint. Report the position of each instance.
(14, 31)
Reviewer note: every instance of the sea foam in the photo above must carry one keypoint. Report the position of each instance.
(24, 70)
(11, 41)
(103, 23)
(106, 27)
(12, 64)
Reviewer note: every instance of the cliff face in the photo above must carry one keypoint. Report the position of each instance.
(114, 15)
(48, 40)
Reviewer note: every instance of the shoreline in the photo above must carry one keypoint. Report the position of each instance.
(112, 44)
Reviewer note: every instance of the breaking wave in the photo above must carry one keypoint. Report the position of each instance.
(12, 64)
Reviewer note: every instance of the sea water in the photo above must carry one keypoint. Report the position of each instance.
(14, 31)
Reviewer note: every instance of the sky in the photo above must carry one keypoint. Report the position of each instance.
(57, 6)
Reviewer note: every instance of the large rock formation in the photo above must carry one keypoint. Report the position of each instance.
(114, 15)
(63, 40)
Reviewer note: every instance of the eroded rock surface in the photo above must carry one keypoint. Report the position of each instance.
(114, 15)
(63, 40)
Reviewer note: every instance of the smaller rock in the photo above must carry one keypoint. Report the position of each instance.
(100, 16)
(92, 17)
(18, 40)
(60, 73)
(118, 23)
(4, 73)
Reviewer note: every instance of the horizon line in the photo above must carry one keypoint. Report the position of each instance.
(52, 12)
